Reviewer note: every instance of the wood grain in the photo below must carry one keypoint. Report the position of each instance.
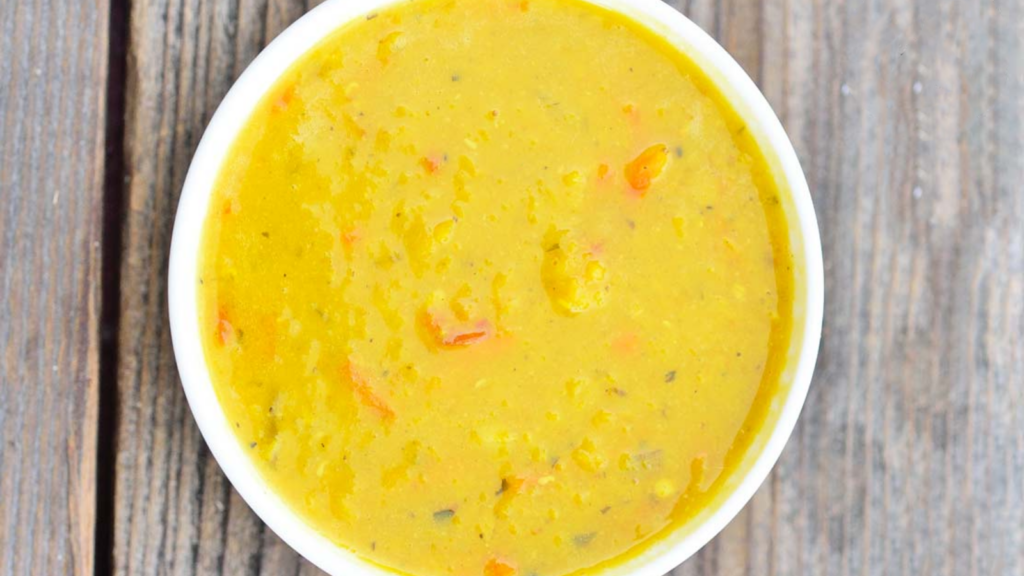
(175, 512)
(909, 458)
(53, 58)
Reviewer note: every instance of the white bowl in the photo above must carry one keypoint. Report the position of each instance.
(805, 243)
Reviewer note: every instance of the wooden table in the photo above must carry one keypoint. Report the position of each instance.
(907, 116)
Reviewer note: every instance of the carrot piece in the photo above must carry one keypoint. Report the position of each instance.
(350, 236)
(469, 337)
(431, 164)
(285, 99)
(231, 206)
(626, 343)
(602, 171)
(457, 337)
(646, 167)
(225, 331)
(366, 395)
(496, 567)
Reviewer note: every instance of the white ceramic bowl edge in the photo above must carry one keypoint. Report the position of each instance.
(232, 114)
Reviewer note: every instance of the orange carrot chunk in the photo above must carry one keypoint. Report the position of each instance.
(285, 99)
(231, 206)
(497, 567)
(225, 331)
(431, 164)
(365, 393)
(469, 337)
(458, 337)
(350, 236)
(626, 343)
(646, 167)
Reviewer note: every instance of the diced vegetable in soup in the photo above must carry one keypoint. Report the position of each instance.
(495, 288)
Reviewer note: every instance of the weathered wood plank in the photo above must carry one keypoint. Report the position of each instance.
(174, 510)
(53, 76)
(910, 455)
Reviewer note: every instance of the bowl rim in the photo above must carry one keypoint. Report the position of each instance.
(232, 114)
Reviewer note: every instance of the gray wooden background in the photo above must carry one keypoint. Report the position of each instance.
(907, 116)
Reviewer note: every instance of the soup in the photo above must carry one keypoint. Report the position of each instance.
(495, 287)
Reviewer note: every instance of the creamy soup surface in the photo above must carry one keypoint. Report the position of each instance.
(495, 287)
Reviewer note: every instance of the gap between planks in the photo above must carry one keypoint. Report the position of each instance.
(110, 296)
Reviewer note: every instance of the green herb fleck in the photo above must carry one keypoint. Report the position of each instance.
(444, 515)
(584, 539)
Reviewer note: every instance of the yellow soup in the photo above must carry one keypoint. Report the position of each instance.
(495, 287)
